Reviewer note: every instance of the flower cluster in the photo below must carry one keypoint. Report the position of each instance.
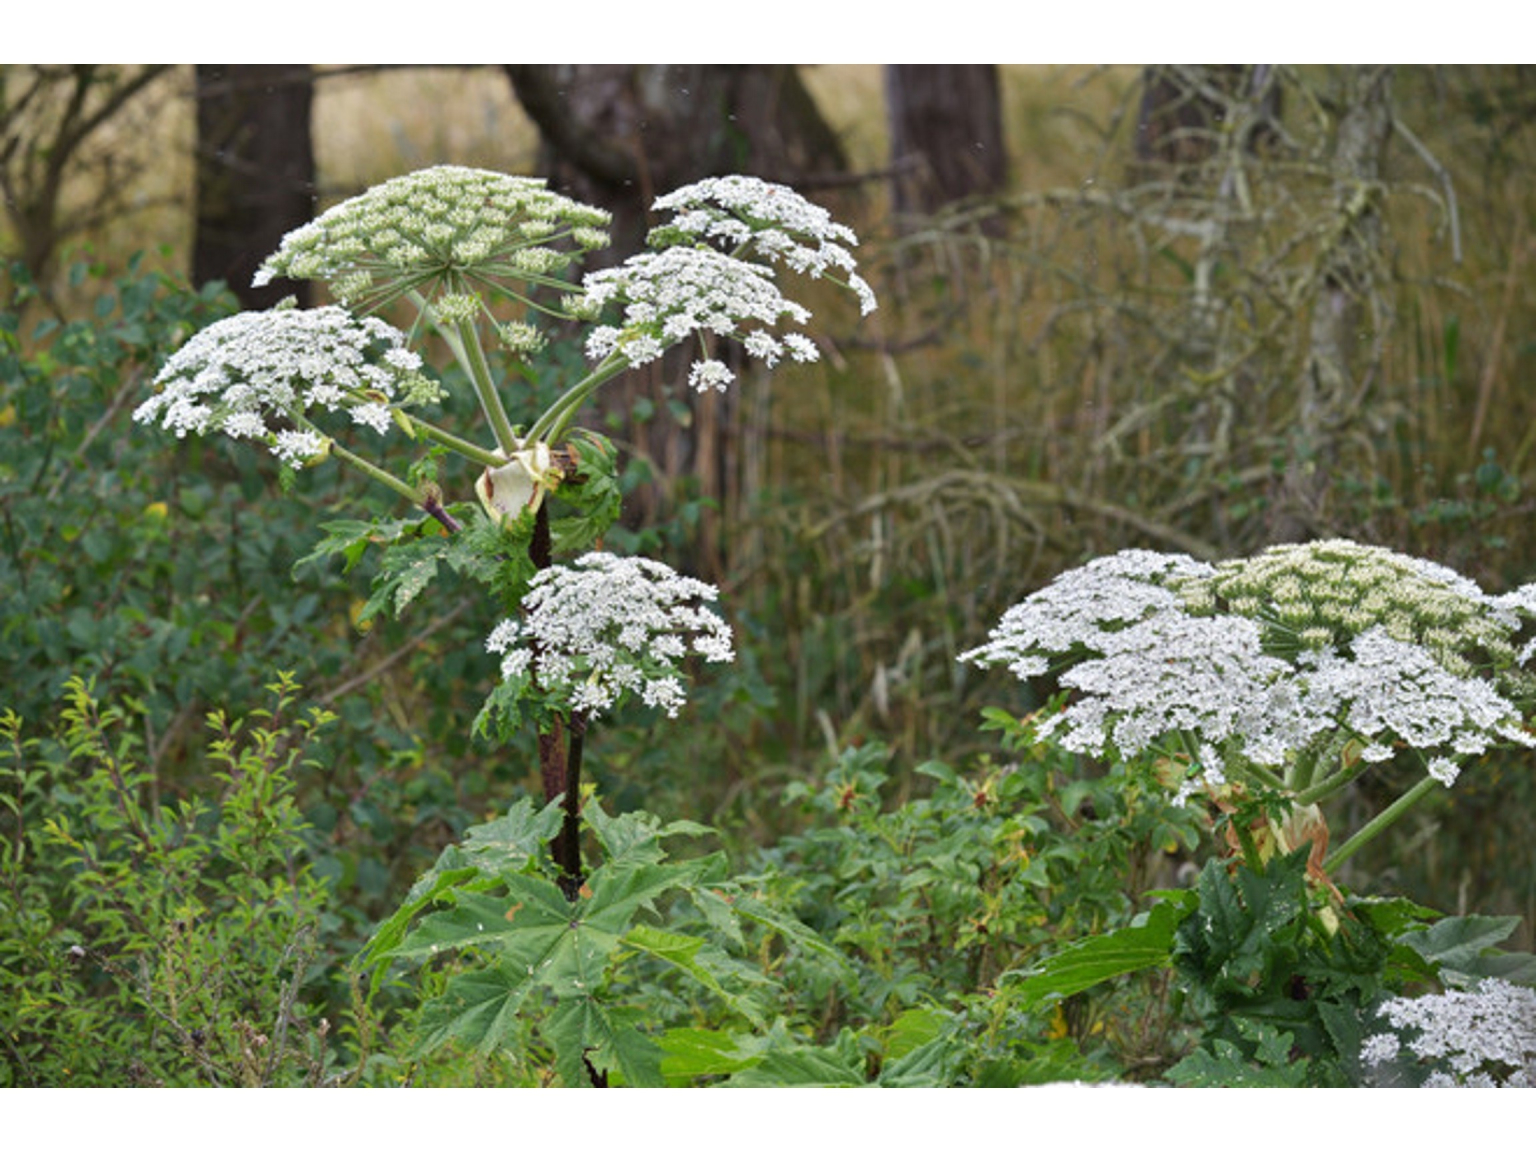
(1320, 595)
(702, 282)
(671, 295)
(239, 375)
(1267, 660)
(447, 228)
(607, 627)
(1484, 1037)
(745, 215)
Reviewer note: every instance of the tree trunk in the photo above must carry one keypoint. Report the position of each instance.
(51, 117)
(619, 135)
(1185, 108)
(255, 173)
(946, 126)
(1350, 309)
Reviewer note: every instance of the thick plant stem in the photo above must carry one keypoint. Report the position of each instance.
(1382, 821)
(567, 846)
(559, 761)
(428, 501)
(557, 418)
(552, 766)
(473, 358)
(456, 444)
(374, 472)
(434, 508)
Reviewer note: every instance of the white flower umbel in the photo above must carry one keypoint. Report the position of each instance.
(242, 374)
(610, 627)
(448, 229)
(681, 293)
(1082, 609)
(747, 216)
(1483, 1037)
(1276, 662)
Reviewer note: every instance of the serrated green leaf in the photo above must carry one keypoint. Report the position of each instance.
(508, 842)
(434, 886)
(1080, 966)
(926, 1066)
(635, 837)
(620, 892)
(719, 912)
(1225, 1067)
(585, 1031)
(345, 538)
(1514, 967)
(478, 1009)
(1460, 943)
(1391, 916)
(750, 908)
(410, 581)
(804, 1066)
(693, 955)
(689, 1053)
(490, 851)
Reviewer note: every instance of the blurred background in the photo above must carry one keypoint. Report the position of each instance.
(1188, 308)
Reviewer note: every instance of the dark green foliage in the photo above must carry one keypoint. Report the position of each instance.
(564, 970)
(153, 939)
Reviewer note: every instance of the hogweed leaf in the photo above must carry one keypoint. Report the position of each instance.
(589, 1033)
(694, 956)
(1080, 966)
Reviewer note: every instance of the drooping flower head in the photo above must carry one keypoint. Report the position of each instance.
(608, 627)
(265, 376)
(745, 216)
(449, 233)
(1265, 660)
(685, 292)
(713, 275)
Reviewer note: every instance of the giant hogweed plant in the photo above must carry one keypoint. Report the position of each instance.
(1264, 688)
(478, 260)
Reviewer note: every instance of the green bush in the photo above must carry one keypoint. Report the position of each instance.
(150, 939)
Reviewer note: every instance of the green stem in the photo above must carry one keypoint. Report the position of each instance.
(553, 423)
(1328, 785)
(473, 359)
(1383, 820)
(373, 471)
(1299, 777)
(463, 341)
(456, 444)
(1263, 775)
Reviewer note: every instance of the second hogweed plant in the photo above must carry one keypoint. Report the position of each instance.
(483, 260)
(1272, 683)
(1264, 688)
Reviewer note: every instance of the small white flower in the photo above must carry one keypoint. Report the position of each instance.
(1484, 1036)
(607, 627)
(244, 373)
(1444, 769)
(298, 447)
(746, 215)
(707, 374)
